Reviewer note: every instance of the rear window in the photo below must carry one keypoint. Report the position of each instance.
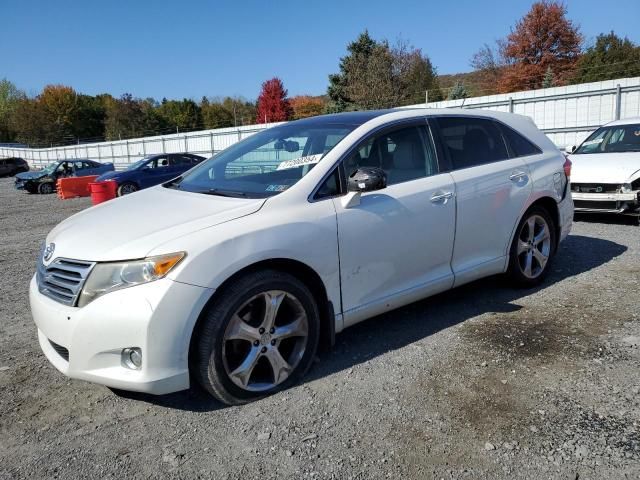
(472, 141)
(520, 146)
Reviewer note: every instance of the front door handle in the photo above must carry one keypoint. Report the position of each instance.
(441, 197)
(517, 176)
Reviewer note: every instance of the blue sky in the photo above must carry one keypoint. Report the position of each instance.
(194, 48)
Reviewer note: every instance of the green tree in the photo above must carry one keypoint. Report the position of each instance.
(242, 110)
(610, 57)
(30, 123)
(376, 75)
(10, 95)
(125, 117)
(457, 92)
(548, 79)
(215, 115)
(184, 114)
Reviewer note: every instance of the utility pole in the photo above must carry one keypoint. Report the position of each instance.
(426, 98)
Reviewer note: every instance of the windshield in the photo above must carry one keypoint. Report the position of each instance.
(49, 168)
(137, 164)
(266, 163)
(618, 138)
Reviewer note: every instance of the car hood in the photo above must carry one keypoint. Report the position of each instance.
(112, 175)
(604, 167)
(130, 227)
(30, 175)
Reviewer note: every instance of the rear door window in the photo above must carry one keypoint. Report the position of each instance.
(520, 146)
(471, 141)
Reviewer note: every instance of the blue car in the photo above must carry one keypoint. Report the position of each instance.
(151, 170)
(44, 181)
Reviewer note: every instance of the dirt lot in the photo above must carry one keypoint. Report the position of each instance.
(482, 382)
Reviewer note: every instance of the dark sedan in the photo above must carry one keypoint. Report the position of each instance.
(11, 166)
(44, 181)
(152, 170)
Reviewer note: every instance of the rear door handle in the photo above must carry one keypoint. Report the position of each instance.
(517, 176)
(441, 197)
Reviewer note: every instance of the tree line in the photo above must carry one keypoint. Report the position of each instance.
(543, 49)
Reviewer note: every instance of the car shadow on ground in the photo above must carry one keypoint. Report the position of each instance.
(404, 326)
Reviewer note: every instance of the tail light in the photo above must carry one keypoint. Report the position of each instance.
(567, 166)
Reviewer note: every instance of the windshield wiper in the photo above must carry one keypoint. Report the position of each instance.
(175, 183)
(224, 193)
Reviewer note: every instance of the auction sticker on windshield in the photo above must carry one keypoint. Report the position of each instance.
(300, 161)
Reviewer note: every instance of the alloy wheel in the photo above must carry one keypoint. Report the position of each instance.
(127, 188)
(265, 340)
(534, 246)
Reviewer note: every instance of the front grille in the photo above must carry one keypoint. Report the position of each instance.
(597, 205)
(595, 187)
(62, 280)
(63, 352)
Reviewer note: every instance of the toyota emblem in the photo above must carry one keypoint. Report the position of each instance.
(48, 252)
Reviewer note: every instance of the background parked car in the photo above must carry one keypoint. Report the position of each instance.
(152, 170)
(11, 166)
(44, 181)
(606, 169)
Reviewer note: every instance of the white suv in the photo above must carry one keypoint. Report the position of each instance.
(234, 273)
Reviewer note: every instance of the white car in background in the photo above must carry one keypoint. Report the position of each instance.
(234, 273)
(606, 169)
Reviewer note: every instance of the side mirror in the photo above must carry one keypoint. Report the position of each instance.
(571, 149)
(367, 179)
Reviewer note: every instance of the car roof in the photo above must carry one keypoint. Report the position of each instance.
(624, 121)
(344, 118)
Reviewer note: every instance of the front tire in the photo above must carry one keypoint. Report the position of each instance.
(532, 248)
(127, 188)
(259, 337)
(45, 188)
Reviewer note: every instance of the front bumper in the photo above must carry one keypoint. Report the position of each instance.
(86, 343)
(606, 202)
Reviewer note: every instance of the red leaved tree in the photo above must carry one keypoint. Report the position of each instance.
(273, 104)
(543, 41)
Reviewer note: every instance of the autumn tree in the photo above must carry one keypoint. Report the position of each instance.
(273, 104)
(488, 65)
(306, 106)
(610, 57)
(544, 38)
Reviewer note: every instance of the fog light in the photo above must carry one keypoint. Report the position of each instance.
(132, 358)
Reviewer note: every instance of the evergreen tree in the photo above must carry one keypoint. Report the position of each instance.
(457, 92)
(611, 57)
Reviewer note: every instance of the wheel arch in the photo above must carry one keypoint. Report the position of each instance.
(303, 273)
(551, 206)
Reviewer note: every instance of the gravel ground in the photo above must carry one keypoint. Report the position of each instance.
(481, 382)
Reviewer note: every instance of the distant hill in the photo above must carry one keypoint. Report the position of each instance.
(472, 81)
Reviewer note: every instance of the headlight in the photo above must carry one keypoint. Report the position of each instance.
(108, 277)
(625, 188)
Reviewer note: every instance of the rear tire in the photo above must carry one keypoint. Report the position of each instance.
(259, 337)
(126, 188)
(46, 188)
(533, 248)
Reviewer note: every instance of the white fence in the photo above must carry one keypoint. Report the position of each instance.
(566, 114)
(124, 152)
